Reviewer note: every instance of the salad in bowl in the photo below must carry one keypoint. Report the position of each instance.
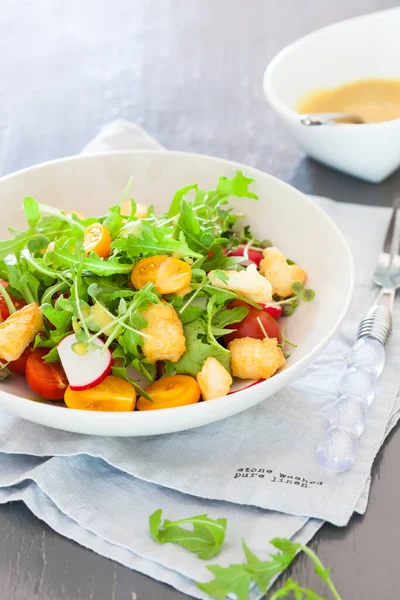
(137, 309)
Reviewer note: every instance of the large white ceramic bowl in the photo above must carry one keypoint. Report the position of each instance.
(290, 219)
(364, 47)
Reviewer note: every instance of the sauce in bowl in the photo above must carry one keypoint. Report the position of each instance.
(374, 100)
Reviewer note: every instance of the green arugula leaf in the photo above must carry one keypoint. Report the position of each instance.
(15, 245)
(226, 316)
(190, 314)
(114, 221)
(151, 240)
(66, 255)
(31, 209)
(220, 275)
(197, 350)
(21, 279)
(237, 186)
(175, 207)
(292, 588)
(205, 539)
(235, 579)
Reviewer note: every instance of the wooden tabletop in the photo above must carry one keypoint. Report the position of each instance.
(190, 72)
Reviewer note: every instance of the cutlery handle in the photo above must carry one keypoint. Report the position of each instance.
(337, 450)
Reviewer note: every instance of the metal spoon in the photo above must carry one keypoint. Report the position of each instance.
(330, 119)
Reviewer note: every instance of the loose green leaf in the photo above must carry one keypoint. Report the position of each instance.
(204, 539)
(293, 589)
(235, 579)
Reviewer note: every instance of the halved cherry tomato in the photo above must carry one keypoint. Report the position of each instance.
(254, 256)
(47, 380)
(97, 239)
(169, 392)
(5, 313)
(19, 366)
(169, 275)
(275, 310)
(111, 395)
(250, 327)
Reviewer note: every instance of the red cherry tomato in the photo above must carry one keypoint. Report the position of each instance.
(273, 310)
(254, 256)
(47, 380)
(250, 327)
(5, 313)
(18, 366)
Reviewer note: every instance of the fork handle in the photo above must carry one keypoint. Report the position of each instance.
(347, 416)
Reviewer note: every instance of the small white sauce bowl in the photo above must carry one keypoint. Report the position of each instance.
(364, 47)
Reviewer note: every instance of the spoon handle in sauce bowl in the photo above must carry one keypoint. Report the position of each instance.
(330, 119)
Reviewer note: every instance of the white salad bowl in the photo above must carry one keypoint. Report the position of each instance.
(364, 47)
(283, 214)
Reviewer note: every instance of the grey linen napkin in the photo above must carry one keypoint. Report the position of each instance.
(258, 468)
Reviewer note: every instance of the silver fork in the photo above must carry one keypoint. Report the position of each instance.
(347, 417)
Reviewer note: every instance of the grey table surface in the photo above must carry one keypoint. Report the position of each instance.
(190, 72)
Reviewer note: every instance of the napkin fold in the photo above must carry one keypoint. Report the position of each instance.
(258, 469)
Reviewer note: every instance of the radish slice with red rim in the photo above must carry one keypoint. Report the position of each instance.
(86, 370)
(242, 384)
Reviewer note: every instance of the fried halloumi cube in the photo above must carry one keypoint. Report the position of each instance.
(255, 359)
(279, 273)
(213, 379)
(248, 283)
(19, 330)
(164, 338)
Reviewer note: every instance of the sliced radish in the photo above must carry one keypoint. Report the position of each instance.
(250, 255)
(242, 384)
(84, 370)
(275, 310)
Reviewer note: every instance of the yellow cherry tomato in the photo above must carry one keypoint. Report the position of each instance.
(169, 275)
(169, 392)
(141, 209)
(78, 213)
(97, 239)
(111, 395)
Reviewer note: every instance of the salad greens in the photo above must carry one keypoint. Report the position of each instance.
(206, 540)
(47, 263)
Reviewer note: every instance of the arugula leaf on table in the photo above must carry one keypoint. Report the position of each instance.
(235, 579)
(205, 539)
(292, 588)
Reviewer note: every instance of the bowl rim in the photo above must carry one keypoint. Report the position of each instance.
(113, 417)
(280, 107)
